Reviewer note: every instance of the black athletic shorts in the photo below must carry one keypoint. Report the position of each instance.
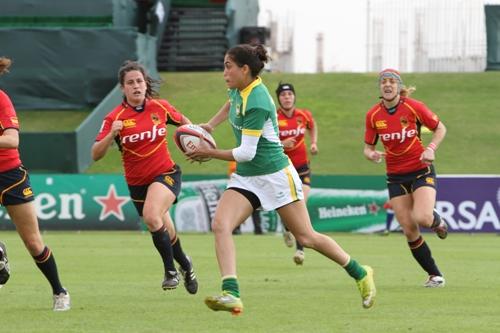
(15, 187)
(304, 172)
(250, 196)
(407, 183)
(171, 179)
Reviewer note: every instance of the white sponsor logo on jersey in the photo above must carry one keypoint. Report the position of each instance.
(400, 136)
(146, 135)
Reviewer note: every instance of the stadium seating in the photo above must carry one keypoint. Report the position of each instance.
(194, 39)
(65, 56)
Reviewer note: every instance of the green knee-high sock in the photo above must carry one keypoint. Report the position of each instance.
(355, 270)
(230, 285)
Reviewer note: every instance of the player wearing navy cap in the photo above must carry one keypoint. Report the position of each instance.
(293, 124)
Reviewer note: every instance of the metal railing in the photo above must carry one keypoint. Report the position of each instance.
(426, 35)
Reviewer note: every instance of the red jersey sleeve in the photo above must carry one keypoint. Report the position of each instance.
(424, 114)
(105, 128)
(371, 136)
(172, 116)
(8, 117)
(310, 120)
(9, 157)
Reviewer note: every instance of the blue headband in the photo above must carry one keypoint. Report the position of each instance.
(388, 74)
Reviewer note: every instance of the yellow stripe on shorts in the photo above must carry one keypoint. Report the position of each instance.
(291, 183)
(251, 132)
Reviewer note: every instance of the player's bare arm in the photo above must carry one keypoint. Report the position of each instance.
(9, 138)
(372, 154)
(100, 148)
(185, 120)
(429, 154)
(219, 117)
(206, 151)
(289, 143)
(313, 135)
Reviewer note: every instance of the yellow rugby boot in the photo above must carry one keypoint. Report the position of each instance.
(367, 288)
(225, 302)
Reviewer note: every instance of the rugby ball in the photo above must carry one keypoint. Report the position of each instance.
(188, 138)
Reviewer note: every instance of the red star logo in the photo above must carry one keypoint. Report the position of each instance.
(373, 208)
(111, 204)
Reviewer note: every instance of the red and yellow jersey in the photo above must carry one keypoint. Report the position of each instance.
(142, 140)
(400, 133)
(9, 157)
(295, 127)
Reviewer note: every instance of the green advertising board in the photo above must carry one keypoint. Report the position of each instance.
(80, 202)
(347, 210)
(102, 202)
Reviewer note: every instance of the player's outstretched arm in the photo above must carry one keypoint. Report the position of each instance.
(219, 117)
(205, 151)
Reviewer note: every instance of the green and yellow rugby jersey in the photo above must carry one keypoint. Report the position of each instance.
(252, 112)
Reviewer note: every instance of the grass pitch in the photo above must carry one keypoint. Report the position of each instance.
(51, 121)
(114, 279)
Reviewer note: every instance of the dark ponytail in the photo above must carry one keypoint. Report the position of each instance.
(254, 57)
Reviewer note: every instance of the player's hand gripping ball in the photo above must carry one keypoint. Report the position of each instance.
(189, 137)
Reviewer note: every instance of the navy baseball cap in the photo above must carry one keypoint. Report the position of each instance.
(284, 87)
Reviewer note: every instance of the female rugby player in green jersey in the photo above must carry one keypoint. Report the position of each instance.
(264, 178)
